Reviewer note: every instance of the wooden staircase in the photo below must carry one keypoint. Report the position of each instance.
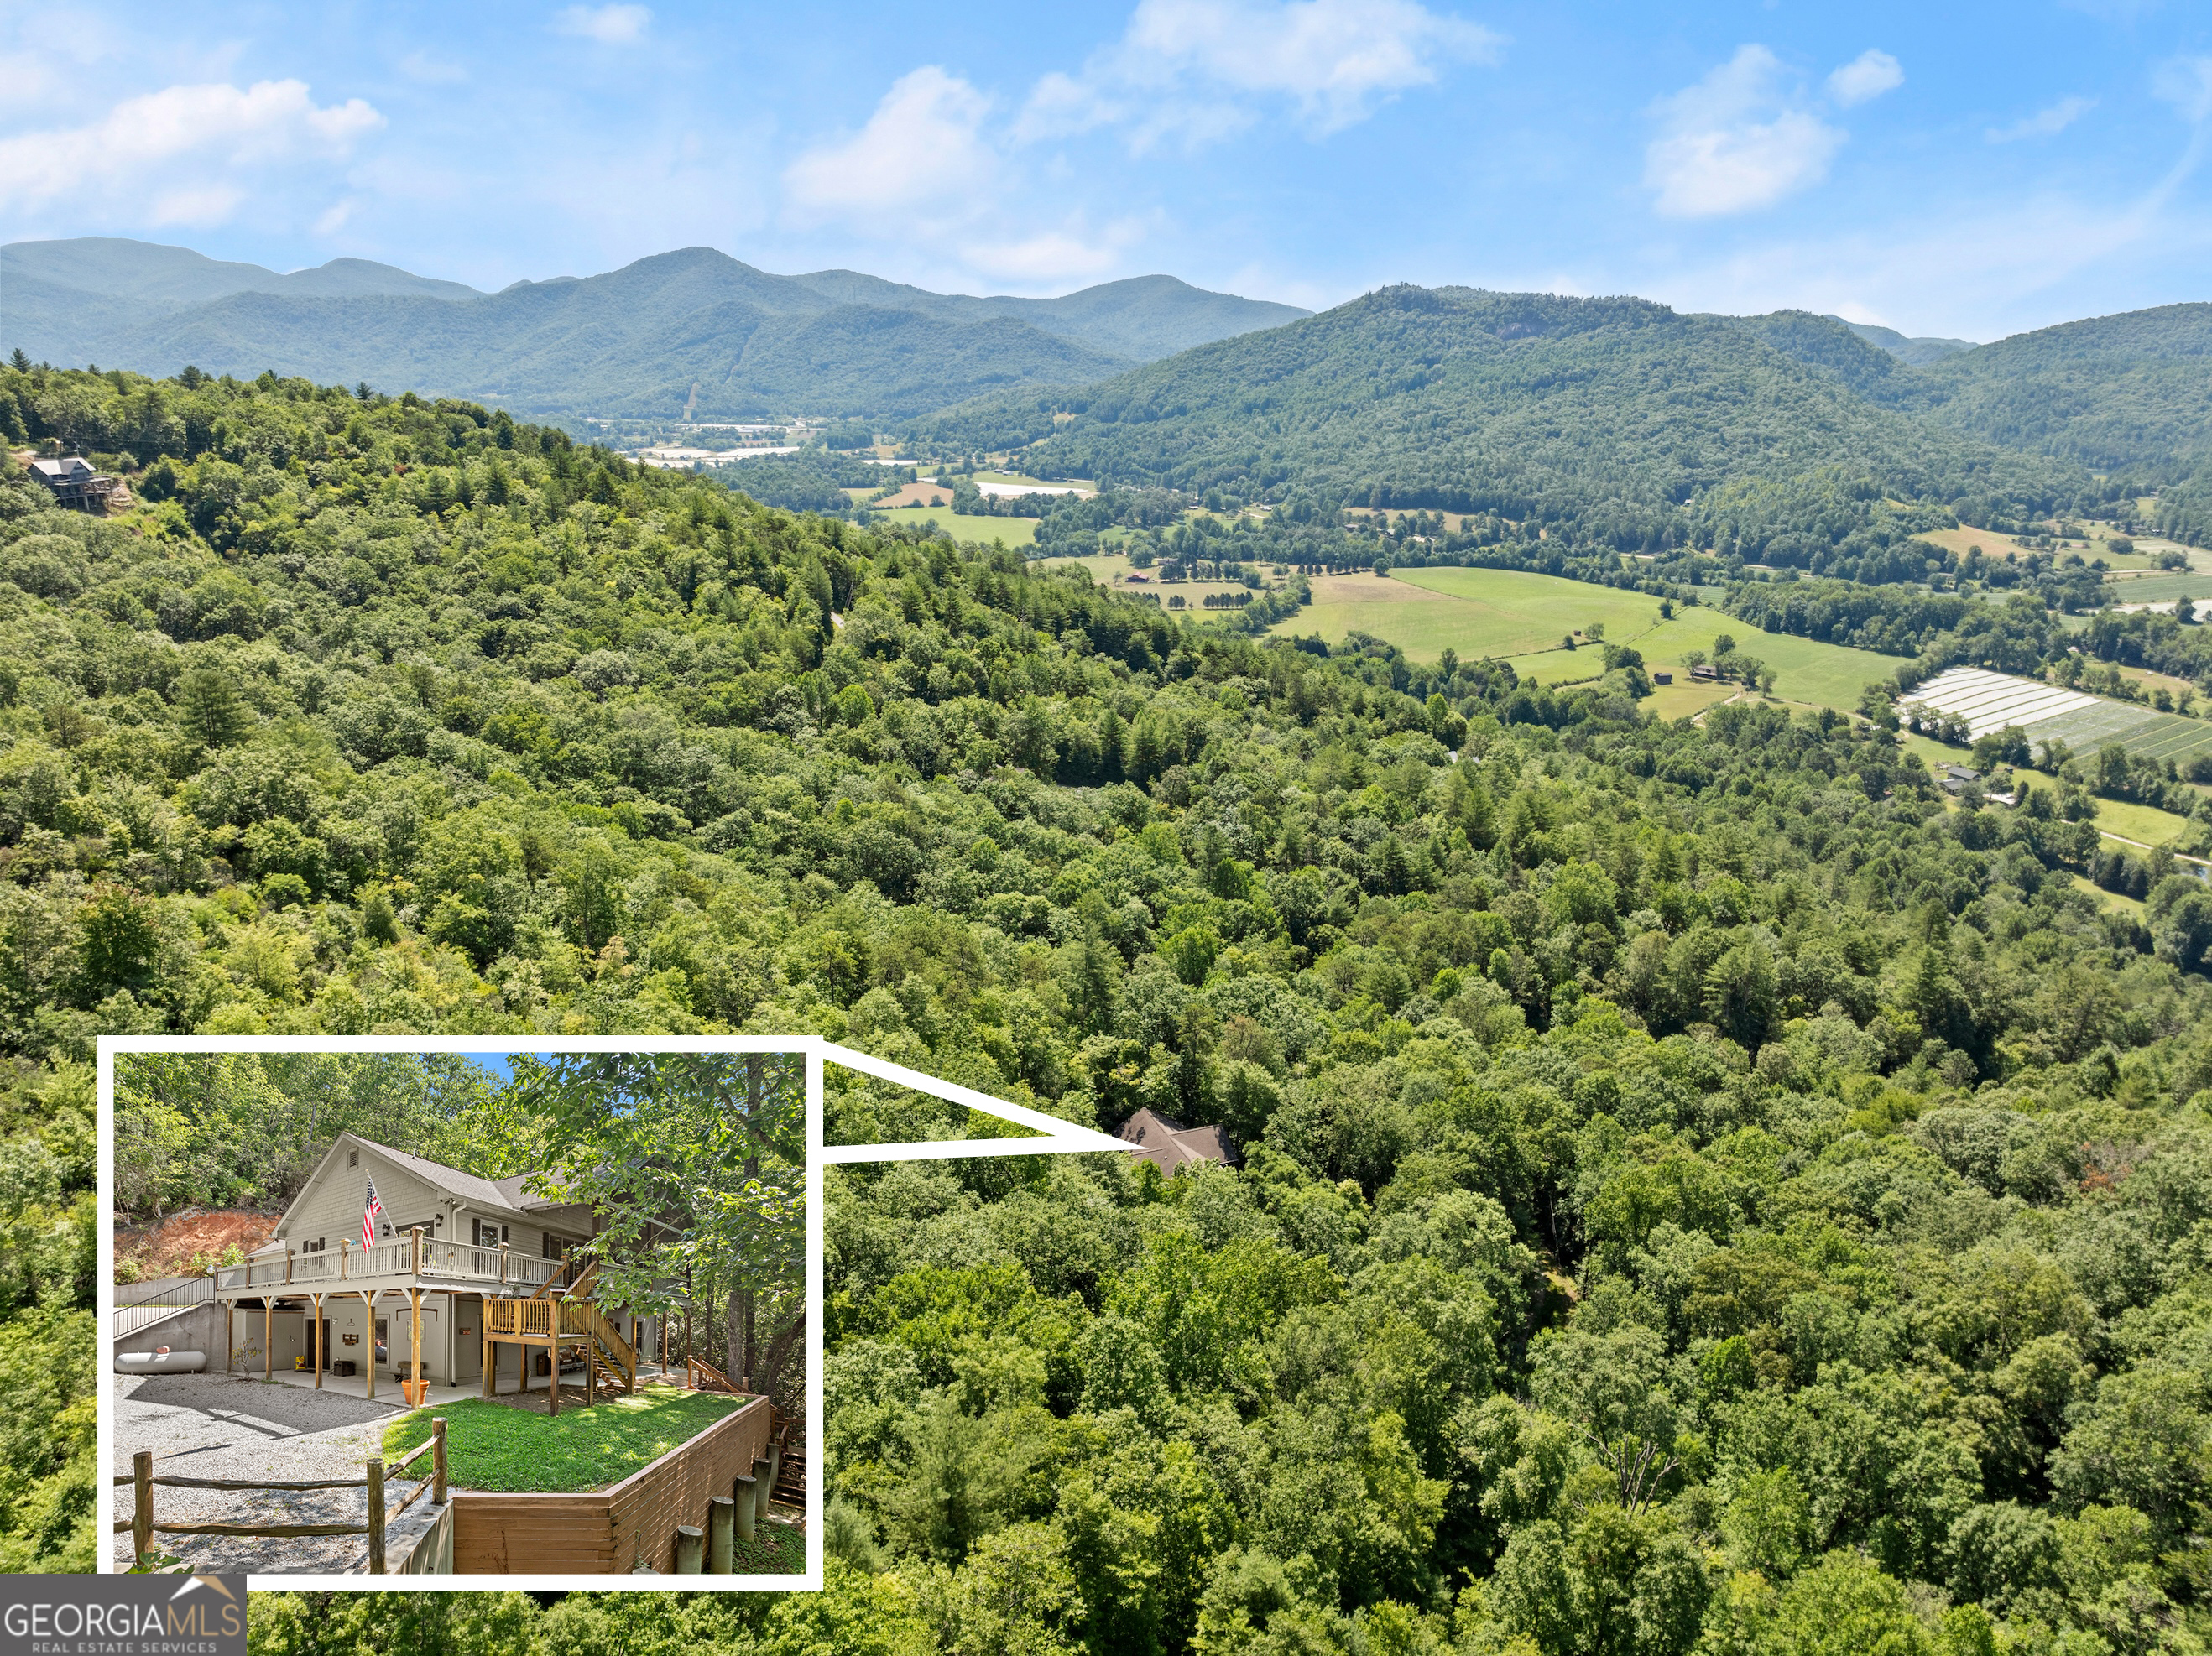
(791, 1470)
(702, 1376)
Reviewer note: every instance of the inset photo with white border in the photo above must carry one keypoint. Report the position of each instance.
(419, 1311)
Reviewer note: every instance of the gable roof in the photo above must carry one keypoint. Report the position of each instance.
(1170, 1146)
(502, 1195)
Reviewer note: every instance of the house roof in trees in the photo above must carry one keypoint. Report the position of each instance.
(1170, 1146)
(481, 1195)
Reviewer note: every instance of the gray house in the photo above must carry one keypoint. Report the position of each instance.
(74, 483)
(483, 1268)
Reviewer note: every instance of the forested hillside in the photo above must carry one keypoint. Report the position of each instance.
(2112, 392)
(684, 333)
(1616, 423)
(1699, 1192)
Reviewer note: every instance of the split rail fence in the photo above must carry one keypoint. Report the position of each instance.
(143, 1529)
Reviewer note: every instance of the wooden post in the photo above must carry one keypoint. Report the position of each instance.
(315, 1301)
(490, 1380)
(142, 1508)
(376, 1511)
(415, 1333)
(230, 1331)
(553, 1364)
(288, 1265)
(268, 1343)
(502, 1264)
(415, 1253)
(722, 1534)
(344, 1248)
(762, 1484)
(690, 1550)
(438, 1460)
(747, 1490)
(368, 1316)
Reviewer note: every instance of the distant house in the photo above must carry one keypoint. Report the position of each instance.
(1170, 1146)
(1663, 678)
(1705, 670)
(74, 483)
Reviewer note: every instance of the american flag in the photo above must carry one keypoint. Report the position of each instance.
(372, 1210)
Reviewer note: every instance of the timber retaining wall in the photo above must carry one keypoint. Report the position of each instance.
(612, 1530)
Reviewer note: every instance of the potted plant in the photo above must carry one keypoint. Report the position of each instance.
(416, 1392)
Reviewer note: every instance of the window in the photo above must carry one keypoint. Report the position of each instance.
(549, 1246)
(488, 1234)
(316, 1246)
(353, 1158)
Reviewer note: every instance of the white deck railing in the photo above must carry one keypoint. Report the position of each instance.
(439, 1260)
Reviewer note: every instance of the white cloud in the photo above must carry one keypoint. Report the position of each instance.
(1052, 256)
(204, 129)
(1735, 142)
(2186, 83)
(1193, 68)
(198, 208)
(2045, 122)
(610, 26)
(1867, 75)
(923, 146)
(333, 218)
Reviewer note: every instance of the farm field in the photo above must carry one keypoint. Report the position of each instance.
(1477, 612)
(2158, 588)
(2145, 824)
(1013, 531)
(1521, 617)
(1113, 570)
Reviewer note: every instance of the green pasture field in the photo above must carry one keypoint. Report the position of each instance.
(2145, 824)
(2157, 589)
(1104, 566)
(1013, 531)
(1521, 616)
(2111, 900)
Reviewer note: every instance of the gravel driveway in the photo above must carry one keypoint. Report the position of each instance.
(233, 1427)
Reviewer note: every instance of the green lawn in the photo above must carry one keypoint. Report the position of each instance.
(490, 1446)
(2145, 824)
(1521, 618)
(1014, 532)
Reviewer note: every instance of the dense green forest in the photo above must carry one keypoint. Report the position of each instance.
(1611, 422)
(1699, 1191)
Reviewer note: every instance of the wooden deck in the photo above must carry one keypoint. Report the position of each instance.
(407, 1261)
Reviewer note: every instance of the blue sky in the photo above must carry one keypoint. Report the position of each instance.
(1961, 169)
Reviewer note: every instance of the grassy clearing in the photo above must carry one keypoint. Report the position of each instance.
(1521, 618)
(1493, 612)
(1011, 532)
(2144, 824)
(2111, 900)
(491, 1446)
(1114, 569)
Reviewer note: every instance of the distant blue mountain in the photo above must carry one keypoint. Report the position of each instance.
(693, 330)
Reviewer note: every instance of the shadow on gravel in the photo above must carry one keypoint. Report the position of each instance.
(245, 1402)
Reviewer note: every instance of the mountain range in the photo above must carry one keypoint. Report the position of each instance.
(691, 332)
(1611, 414)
